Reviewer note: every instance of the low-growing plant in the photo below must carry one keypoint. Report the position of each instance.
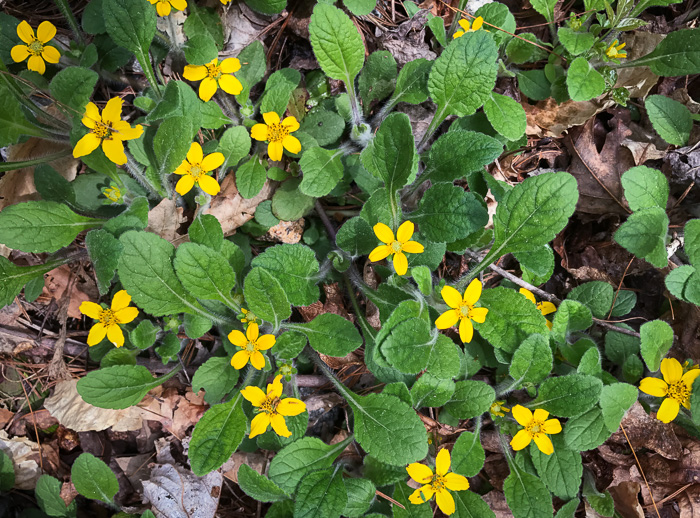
(478, 354)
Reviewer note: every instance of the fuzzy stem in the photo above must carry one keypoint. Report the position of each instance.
(66, 11)
(12, 166)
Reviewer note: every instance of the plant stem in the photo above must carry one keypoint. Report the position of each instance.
(354, 104)
(145, 63)
(326, 221)
(432, 127)
(11, 166)
(66, 11)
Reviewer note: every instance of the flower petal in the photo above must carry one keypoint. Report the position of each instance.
(92, 112)
(230, 84)
(405, 231)
(291, 124)
(279, 426)
(259, 132)
(180, 5)
(115, 335)
(520, 440)
(209, 185)
(419, 472)
(291, 406)
(237, 338)
(257, 360)
(253, 332)
(416, 497)
(442, 462)
(672, 370)
(466, 330)
(259, 424)
(383, 233)
(195, 72)
(240, 359)
(445, 501)
(91, 309)
(124, 131)
(25, 32)
(163, 8)
(265, 342)
(451, 296)
(271, 118)
(195, 155)
(464, 24)
(528, 295)
(457, 35)
(544, 444)
(447, 319)
(477, 23)
(184, 185)
(36, 64)
(274, 389)
(551, 426)
(113, 110)
(19, 53)
(413, 247)
(471, 296)
(45, 32)
(212, 161)
(689, 377)
(207, 88)
(86, 145)
(97, 334)
(121, 300)
(291, 144)
(654, 387)
(522, 415)
(478, 315)
(540, 414)
(254, 394)
(230, 65)
(400, 263)
(379, 253)
(275, 150)
(114, 150)
(546, 307)
(668, 410)
(126, 315)
(455, 482)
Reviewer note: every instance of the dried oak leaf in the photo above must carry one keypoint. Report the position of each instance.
(644, 431)
(231, 209)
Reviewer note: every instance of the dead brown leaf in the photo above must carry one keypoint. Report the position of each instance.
(164, 219)
(644, 431)
(231, 209)
(56, 283)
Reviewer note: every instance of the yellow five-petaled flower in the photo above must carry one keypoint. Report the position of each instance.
(271, 409)
(439, 484)
(498, 409)
(36, 48)
(163, 6)
(613, 51)
(251, 343)
(467, 27)
(194, 170)
(215, 75)
(107, 129)
(277, 134)
(109, 319)
(545, 307)
(398, 247)
(676, 387)
(537, 427)
(462, 309)
(248, 316)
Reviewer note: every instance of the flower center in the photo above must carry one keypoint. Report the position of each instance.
(213, 71)
(437, 483)
(251, 346)
(277, 132)
(102, 130)
(113, 194)
(396, 247)
(679, 392)
(196, 171)
(535, 428)
(36, 48)
(464, 310)
(108, 318)
(269, 406)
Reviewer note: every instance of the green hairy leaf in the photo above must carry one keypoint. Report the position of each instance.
(93, 479)
(330, 334)
(583, 81)
(391, 156)
(258, 486)
(678, 54)
(644, 235)
(568, 396)
(299, 458)
(120, 386)
(336, 43)
(526, 495)
(265, 297)
(321, 493)
(656, 341)
(670, 119)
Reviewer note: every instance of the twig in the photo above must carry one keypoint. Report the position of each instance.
(326, 220)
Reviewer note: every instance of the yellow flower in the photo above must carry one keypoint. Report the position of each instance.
(248, 316)
(439, 484)
(464, 24)
(277, 134)
(537, 427)
(113, 194)
(107, 129)
(251, 344)
(398, 247)
(545, 307)
(463, 310)
(215, 75)
(675, 387)
(270, 408)
(163, 6)
(36, 48)
(613, 51)
(225, 2)
(688, 365)
(498, 409)
(194, 170)
(109, 319)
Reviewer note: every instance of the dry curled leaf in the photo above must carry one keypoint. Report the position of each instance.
(176, 493)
